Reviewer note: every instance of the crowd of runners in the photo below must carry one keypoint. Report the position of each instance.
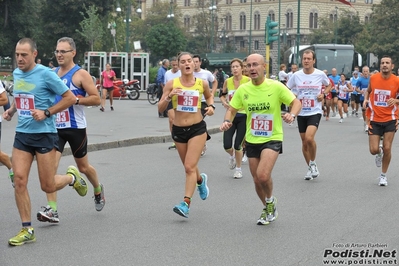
(49, 105)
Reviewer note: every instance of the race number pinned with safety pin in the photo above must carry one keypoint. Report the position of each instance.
(63, 119)
(24, 103)
(261, 125)
(381, 97)
(308, 103)
(187, 101)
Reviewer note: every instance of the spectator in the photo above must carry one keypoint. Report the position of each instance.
(160, 83)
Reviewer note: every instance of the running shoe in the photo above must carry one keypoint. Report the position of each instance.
(263, 218)
(341, 120)
(232, 163)
(383, 181)
(357, 115)
(238, 174)
(366, 128)
(353, 112)
(99, 200)
(112, 108)
(80, 185)
(102, 109)
(308, 175)
(203, 189)
(182, 209)
(271, 210)
(204, 150)
(334, 114)
(244, 158)
(314, 171)
(26, 235)
(48, 215)
(11, 176)
(378, 157)
(173, 146)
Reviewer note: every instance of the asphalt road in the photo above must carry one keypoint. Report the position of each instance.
(341, 210)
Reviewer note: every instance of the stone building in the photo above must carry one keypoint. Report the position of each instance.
(235, 29)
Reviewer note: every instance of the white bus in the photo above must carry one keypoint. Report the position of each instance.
(343, 57)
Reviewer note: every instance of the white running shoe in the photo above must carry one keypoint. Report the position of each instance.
(366, 128)
(232, 163)
(378, 158)
(204, 150)
(334, 114)
(238, 174)
(313, 169)
(383, 181)
(308, 175)
(244, 158)
(341, 120)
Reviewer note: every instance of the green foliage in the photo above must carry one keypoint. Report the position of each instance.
(153, 73)
(384, 29)
(165, 40)
(92, 29)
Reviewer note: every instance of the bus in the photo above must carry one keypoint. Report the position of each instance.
(343, 57)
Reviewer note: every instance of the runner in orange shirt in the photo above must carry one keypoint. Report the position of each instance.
(381, 96)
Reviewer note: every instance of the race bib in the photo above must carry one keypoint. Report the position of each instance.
(24, 103)
(187, 101)
(381, 97)
(262, 125)
(308, 104)
(63, 119)
(231, 93)
(342, 95)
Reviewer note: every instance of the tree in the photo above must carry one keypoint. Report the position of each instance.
(165, 40)
(92, 29)
(384, 29)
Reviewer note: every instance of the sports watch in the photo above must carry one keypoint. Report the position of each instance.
(47, 113)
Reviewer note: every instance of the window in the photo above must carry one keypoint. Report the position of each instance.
(256, 45)
(228, 22)
(257, 21)
(272, 16)
(243, 21)
(333, 17)
(187, 2)
(242, 44)
(243, 1)
(257, 1)
(368, 1)
(367, 18)
(187, 22)
(290, 19)
(313, 16)
(229, 2)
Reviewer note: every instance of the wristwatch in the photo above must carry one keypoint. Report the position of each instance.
(213, 106)
(47, 113)
(77, 101)
(293, 115)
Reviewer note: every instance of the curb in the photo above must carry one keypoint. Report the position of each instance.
(131, 142)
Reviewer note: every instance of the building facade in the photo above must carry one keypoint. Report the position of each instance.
(240, 24)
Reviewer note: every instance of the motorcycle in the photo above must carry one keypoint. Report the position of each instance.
(129, 88)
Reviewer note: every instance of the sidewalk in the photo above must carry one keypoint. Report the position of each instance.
(132, 123)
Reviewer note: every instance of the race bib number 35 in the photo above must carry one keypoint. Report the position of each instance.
(187, 101)
(63, 119)
(24, 103)
(261, 125)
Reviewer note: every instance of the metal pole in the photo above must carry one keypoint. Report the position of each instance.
(298, 32)
(267, 61)
(250, 30)
(129, 9)
(278, 41)
(336, 24)
(212, 27)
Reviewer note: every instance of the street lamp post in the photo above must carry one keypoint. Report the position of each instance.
(298, 32)
(223, 36)
(336, 24)
(112, 26)
(170, 15)
(127, 21)
(212, 8)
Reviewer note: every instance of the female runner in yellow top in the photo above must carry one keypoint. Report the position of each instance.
(189, 129)
(239, 123)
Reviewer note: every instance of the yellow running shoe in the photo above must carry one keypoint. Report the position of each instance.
(26, 235)
(80, 185)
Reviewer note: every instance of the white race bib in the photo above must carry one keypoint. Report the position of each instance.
(261, 125)
(187, 101)
(24, 103)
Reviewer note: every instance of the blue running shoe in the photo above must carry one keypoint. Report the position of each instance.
(182, 209)
(203, 189)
